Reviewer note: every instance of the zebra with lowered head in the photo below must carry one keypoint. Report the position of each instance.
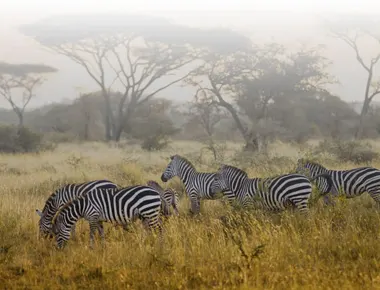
(120, 206)
(274, 194)
(64, 195)
(351, 183)
(197, 184)
(170, 198)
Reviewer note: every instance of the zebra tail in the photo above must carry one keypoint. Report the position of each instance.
(328, 179)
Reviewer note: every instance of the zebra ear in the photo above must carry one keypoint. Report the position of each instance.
(172, 157)
(39, 212)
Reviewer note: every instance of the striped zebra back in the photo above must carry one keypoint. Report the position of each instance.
(197, 184)
(351, 182)
(120, 206)
(275, 193)
(64, 195)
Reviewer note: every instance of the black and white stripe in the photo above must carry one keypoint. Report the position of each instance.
(351, 183)
(120, 206)
(197, 184)
(64, 195)
(170, 198)
(274, 194)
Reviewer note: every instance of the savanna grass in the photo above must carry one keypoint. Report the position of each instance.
(333, 248)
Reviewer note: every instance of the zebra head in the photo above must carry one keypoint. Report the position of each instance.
(61, 231)
(219, 183)
(309, 168)
(44, 224)
(172, 168)
(155, 185)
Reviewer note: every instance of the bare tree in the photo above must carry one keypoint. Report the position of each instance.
(21, 79)
(138, 60)
(204, 111)
(372, 88)
(137, 65)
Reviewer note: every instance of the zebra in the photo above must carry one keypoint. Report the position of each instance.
(274, 193)
(63, 195)
(197, 184)
(351, 183)
(120, 206)
(169, 198)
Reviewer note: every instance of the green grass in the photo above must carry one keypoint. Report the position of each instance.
(334, 248)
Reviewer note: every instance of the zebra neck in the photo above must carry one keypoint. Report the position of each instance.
(187, 176)
(50, 210)
(73, 213)
(317, 170)
(241, 186)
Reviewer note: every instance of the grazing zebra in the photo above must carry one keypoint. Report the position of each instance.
(351, 183)
(197, 184)
(169, 198)
(120, 206)
(275, 194)
(62, 196)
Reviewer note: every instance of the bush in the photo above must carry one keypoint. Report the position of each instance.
(18, 140)
(348, 151)
(155, 143)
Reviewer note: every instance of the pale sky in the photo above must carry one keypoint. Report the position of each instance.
(19, 11)
(235, 14)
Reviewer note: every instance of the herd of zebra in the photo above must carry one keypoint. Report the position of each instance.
(104, 201)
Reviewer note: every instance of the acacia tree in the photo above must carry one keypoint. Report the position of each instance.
(246, 82)
(18, 83)
(138, 60)
(352, 36)
(279, 77)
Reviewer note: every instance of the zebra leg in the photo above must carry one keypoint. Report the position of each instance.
(376, 198)
(73, 236)
(302, 205)
(154, 223)
(195, 204)
(175, 209)
(101, 232)
(328, 200)
(93, 227)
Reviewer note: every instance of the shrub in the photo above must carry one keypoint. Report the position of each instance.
(348, 151)
(17, 140)
(155, 143)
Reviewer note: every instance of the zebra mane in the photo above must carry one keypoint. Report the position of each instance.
(49, 200)
(184, 159)
(309, 161)
(65, 206)
(234, 169)
(154, 184)
(54, 194)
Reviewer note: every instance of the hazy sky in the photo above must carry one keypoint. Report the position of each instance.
(236, 14)
(19, 11)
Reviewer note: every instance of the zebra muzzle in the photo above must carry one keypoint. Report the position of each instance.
(163, 178)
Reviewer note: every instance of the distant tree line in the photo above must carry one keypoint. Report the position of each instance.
(242, 90)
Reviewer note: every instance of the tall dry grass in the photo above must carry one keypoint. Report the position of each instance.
(335, 248)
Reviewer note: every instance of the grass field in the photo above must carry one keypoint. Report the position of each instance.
(335, 248)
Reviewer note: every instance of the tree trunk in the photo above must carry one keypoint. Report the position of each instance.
(86, 128)
(363, 114)
(20, 119)
(251, 143)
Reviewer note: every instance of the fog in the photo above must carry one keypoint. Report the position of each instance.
(291, 23)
